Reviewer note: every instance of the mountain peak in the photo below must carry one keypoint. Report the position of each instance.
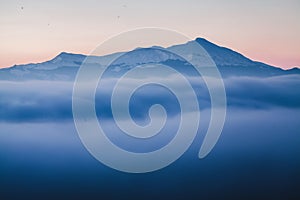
(205, 43)
(67, 54)
(63, 53)
(201, 40)
(224, 56)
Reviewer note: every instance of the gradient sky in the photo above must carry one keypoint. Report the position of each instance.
(35, 31)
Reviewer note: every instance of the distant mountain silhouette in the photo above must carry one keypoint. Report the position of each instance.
(65, 65)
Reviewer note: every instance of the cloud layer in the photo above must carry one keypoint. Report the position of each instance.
(52, 101)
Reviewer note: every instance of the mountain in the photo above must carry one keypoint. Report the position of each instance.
(65, 65)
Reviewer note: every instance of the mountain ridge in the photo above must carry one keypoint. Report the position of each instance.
(228, 61)
(207, 45)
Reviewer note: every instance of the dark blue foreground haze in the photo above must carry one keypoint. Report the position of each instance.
(256, 157)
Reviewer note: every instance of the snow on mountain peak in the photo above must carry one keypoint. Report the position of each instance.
(145, 55)
(220, 55)
(68, 57)
(223, 56)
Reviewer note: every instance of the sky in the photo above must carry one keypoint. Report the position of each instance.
(35, 31)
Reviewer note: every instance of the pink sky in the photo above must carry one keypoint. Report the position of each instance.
(36, 31)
